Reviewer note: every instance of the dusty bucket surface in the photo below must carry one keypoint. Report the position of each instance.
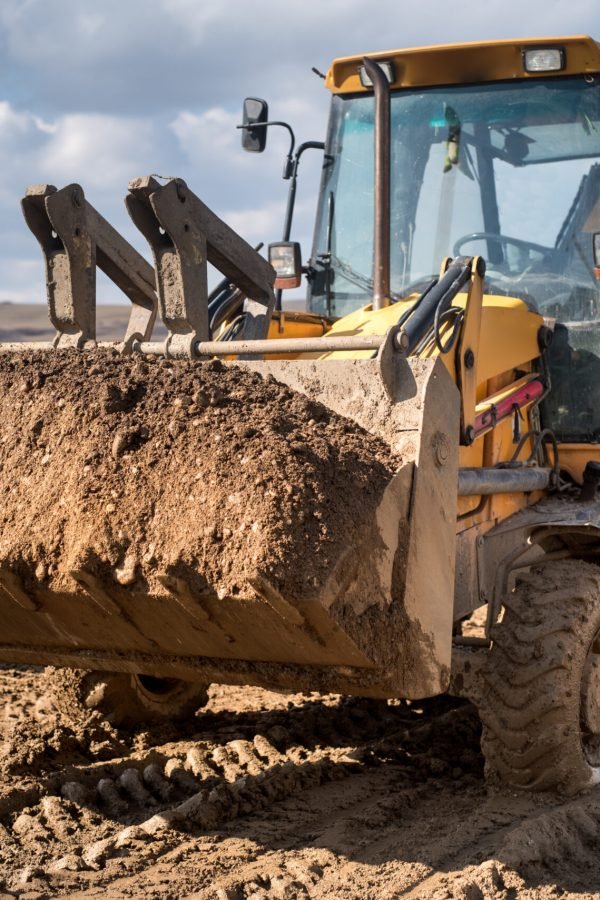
(199, 519)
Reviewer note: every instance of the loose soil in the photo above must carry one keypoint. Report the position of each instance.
(129, 468)
(267, 795)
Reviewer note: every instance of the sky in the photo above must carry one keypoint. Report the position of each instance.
(101, 91)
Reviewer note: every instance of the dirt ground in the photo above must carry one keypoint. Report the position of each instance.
(269, 795)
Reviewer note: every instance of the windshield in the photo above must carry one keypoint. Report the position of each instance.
(510, 171)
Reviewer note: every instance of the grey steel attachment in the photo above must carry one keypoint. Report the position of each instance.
(184, 235)
(75, 238)
(385, 346)
(475, 481)
(282, 346)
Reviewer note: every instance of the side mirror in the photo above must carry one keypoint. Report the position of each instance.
(596, 244)
(286, 259)
(254, 132)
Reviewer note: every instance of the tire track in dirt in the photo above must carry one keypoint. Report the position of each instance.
(203, 790)
(268, 796)
(79, 817)
(377, 841)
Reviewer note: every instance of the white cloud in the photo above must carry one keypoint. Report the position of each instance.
(23, 281)
(21, 134)
(12, 122)
(260, 224)
(210, 135)
(40, 30)
(90, 24)
(15, 124)
(96, 149)
(194, 18)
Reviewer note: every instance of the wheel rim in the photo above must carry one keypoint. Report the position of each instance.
(157, 688)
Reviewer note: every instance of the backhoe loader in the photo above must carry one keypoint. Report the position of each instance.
(452, 330)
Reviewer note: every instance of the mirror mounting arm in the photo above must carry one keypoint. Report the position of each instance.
(287, 169)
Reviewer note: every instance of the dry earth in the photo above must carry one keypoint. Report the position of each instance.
(112, 462)
(265, 795)
(272, 796)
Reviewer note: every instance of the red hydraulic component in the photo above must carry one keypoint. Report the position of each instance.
(522, 396)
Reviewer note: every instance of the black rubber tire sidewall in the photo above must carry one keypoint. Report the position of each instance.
(531, 707)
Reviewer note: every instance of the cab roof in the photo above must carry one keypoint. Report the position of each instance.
(469, 63)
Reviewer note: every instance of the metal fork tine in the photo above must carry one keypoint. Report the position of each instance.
(75, 238)
(185, 235)
(57, 219)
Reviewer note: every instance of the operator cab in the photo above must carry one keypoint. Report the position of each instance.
(507, 169)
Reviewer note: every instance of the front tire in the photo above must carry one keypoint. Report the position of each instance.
(126, 700)
(541, 700)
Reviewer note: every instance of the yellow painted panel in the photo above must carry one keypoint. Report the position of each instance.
(573, 458)
(509, 332)
(509, 337)
(296, 325)
(469, 63)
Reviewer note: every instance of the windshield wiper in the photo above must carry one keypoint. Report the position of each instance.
(358, 278)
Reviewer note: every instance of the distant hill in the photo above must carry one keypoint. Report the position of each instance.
(30, 322)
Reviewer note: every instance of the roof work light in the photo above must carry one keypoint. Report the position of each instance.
(544, 59)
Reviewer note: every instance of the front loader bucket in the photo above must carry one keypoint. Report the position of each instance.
(199, 521)
(284, 522)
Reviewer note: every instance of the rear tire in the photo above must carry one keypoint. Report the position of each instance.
(541, 682)
(126, 700)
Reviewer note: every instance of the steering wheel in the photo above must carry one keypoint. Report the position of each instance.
(503, 240)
